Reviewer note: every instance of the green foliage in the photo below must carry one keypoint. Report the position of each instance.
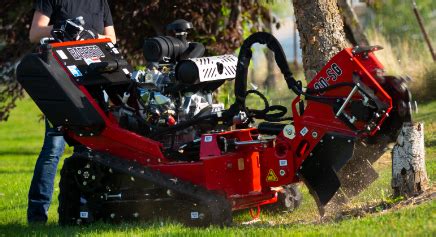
(396, 20)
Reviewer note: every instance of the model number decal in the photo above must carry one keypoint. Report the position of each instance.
(333, 73)
(92, 51)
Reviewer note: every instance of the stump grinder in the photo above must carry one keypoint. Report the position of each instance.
(154, 143)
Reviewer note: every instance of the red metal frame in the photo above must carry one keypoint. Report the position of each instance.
(242, 175)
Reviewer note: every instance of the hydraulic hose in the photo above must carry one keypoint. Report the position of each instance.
(273, 44)
(245, 55)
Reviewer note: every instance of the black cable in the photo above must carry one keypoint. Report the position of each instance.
(264, 113)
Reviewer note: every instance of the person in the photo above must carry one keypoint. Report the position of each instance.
(98, 18)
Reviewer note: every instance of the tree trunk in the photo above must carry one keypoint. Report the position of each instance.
(270, 81)
(409, 176)
(321, 33)
(322, 36)
(353, 29)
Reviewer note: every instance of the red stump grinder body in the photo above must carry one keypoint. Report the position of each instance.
(139, 152)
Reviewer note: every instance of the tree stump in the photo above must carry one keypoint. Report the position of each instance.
(409, 176)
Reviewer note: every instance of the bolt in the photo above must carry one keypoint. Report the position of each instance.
(88, 166)
(110, 170)
(311, 154)
(387, 114)
(377, 115)
(135, 215)
(349, 141)
(79, 172)
(378, 128)
(333, 137)
(112, 215)
(84, 183)
(86, 174)
(93, 177)
(282, 173)
(132, 178)
(314, 134)
(321, 141)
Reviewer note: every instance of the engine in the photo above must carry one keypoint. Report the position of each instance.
(177, 85)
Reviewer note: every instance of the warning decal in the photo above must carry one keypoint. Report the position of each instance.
(271, 177)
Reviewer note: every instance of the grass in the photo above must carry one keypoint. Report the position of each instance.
(21, 139)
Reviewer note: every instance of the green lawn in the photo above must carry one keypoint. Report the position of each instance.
(21, 139)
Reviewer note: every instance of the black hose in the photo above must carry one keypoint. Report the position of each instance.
(265, 113)
(245, 55)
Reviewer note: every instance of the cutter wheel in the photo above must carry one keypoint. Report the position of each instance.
(358, 173)
(127, 191)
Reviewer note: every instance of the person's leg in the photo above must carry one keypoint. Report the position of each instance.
(41, 188)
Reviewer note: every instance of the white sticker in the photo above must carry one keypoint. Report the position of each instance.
(283, 162)
(83, 214)
(91, 60)
(194, 215)
(289, 131)
(115, 51)
(304, 131)
(74, 71)
(110, 44)
(88, 51)
(208, 138)
(126, 71)
(62, 54)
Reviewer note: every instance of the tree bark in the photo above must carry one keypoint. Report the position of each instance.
(409, 176)
(321, 33)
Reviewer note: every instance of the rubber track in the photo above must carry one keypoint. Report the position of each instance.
(219, 208)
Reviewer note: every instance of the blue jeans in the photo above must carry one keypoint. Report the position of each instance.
(41, 188)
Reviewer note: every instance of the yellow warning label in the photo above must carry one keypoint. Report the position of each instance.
(271, 177)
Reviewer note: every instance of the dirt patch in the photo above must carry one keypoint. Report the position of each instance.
(381, 207)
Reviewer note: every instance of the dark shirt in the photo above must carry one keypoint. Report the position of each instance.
(96, 13)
